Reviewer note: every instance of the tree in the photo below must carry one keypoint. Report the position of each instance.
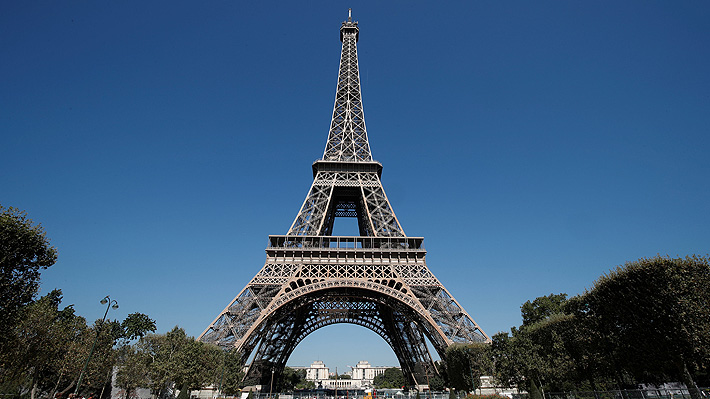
(24, 251)
(292, 379)
(41, 345)
(466, 363)
(391, 378)
(457, 367)
(536, 355)
(136, 325)
(542, 307)
(177, 360)
(480, 362)
(132, 373)
(436, 383)
(655, 314)
(47, 348)
(553, 365)
(645, 322)
(508, 364)
(232, 372)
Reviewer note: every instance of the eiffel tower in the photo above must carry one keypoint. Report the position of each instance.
(312, 279)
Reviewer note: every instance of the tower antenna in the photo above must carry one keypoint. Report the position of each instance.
(350, 15)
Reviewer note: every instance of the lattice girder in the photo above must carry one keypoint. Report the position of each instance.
(347, 139)
(312, 279)
(363, 189)
(393, 320)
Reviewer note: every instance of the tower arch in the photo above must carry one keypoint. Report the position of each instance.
(402, 323)
(312, 279)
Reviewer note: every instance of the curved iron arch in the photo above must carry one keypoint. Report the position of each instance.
(386, 311)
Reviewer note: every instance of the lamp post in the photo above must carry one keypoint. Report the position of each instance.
(221, 380)
(112, 304)
(272, 382)
(470, 370)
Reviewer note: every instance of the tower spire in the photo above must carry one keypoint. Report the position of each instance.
(347, 139)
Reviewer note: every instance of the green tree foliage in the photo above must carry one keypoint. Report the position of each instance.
(457, 367)
(133, 371)
(508, 362)
(655, 315)
(48, 347)
(645, 322)
(43, 348)
(177, 360)
(542, 308)
(24, 251)
(133, 365)
(466, 363)
(184, 391)
(391, 378)
(294, 379)
(536, 356)
(436, 383)
(136, 325)
(39, 343)
(305, 384)
(232, 373)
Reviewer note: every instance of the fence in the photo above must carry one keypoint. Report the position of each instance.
(343, 394)
(628, 394)
(617, 394)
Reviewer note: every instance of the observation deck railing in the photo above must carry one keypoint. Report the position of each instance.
(346, 243)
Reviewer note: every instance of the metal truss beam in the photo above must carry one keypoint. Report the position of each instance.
(312, 279)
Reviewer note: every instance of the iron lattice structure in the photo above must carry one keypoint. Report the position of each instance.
(312, 279)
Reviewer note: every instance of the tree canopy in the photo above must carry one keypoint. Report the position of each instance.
(466, 363)
(48, 345)
(43, 347)
(24, 251)
(655, 313)
(647, 321)
(391, 378)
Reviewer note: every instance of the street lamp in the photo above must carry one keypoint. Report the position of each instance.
(272, 381)
(112, 304)
(470, 370)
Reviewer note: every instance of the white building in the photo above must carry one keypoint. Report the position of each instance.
(317, 372)
(361, 375)
(365, 372)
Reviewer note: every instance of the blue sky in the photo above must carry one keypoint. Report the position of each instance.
(534, 145)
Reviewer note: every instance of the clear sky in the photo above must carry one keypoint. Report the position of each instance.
(534, 145)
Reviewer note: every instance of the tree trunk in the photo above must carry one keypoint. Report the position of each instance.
(534, 390)
(690, 384)
(542, 390)
(108, 379)
(33, 393)
(67, 389)
(56, 386)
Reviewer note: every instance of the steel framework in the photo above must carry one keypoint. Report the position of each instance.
(312, 279)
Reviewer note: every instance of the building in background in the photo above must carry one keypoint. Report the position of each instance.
(363, 371)
(317, 372)
(361, 376)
